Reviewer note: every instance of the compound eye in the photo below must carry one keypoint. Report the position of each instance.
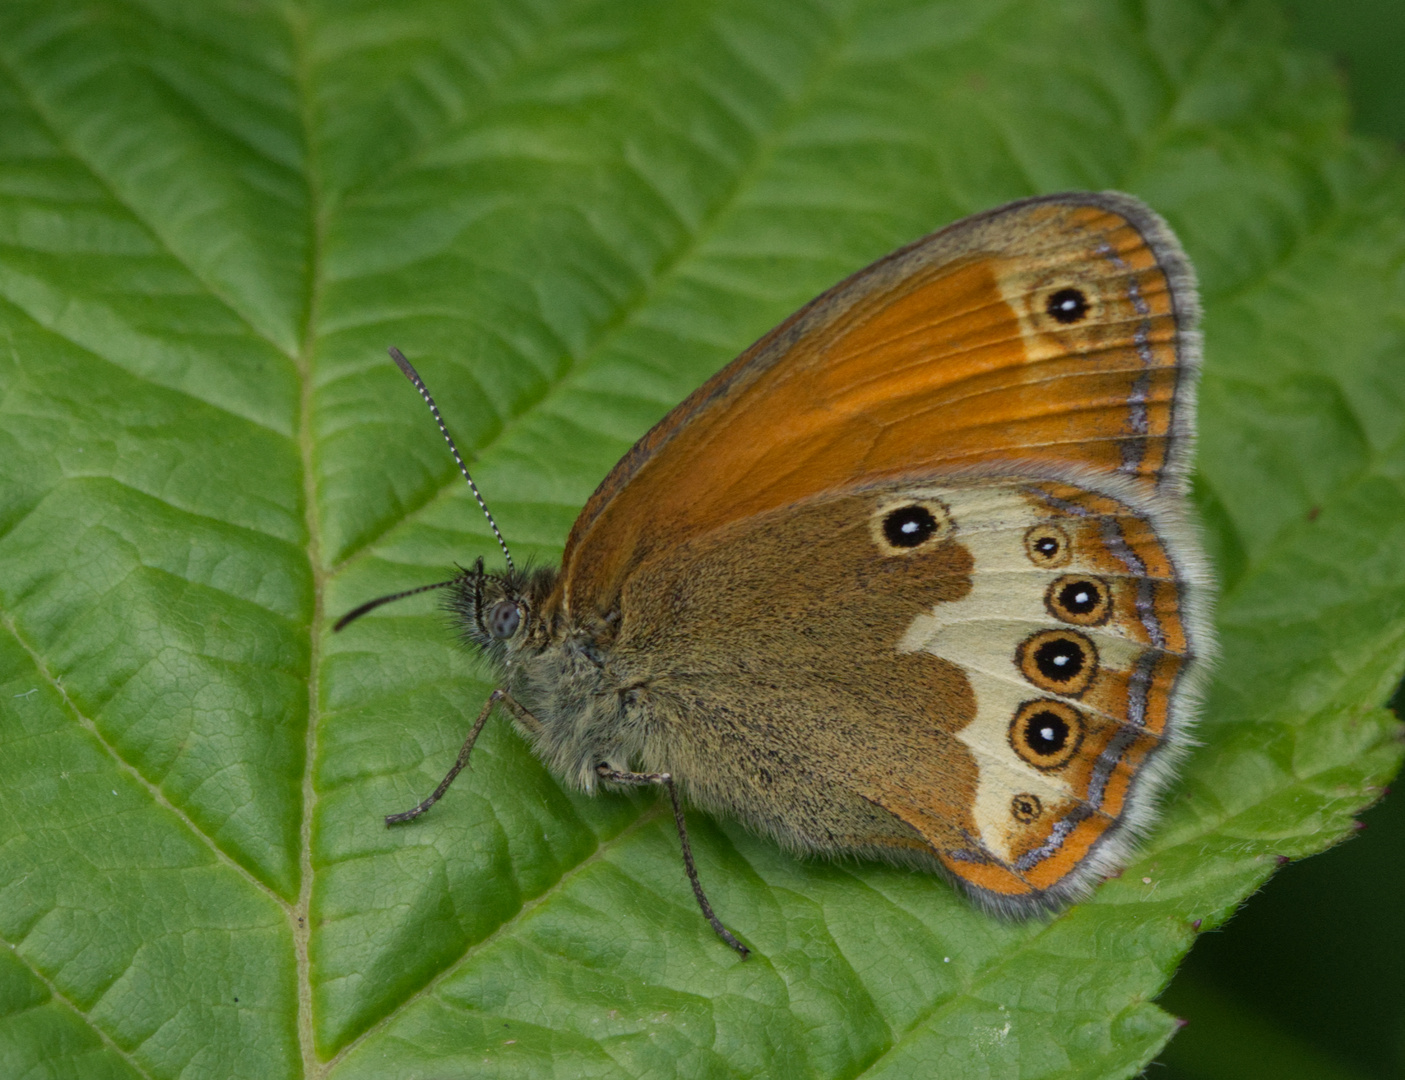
(504, 618)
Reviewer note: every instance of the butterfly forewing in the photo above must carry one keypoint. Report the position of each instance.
(1055, 332)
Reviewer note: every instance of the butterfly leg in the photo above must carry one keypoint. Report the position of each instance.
(498, 695)
(526, 719)
(635, 779)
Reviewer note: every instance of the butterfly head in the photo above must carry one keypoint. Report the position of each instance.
(500, 613)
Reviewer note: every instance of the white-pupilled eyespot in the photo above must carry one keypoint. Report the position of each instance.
(900, 527)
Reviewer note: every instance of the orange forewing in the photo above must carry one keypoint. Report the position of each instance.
(942, 355)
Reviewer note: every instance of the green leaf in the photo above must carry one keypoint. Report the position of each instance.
(212, 222)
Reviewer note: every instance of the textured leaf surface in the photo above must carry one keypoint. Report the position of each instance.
(212, 222)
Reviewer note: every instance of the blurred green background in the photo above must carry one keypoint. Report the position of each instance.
(1308, 981)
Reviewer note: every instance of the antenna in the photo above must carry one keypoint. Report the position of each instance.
(414, 377)
(371, 605)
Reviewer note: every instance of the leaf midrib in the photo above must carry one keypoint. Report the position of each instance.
(764, 149)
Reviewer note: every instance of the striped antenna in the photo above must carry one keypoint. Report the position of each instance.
(414, 377)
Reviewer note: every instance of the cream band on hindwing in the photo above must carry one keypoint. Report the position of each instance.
(1073, 637)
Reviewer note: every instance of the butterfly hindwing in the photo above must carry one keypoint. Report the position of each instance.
(976, 671)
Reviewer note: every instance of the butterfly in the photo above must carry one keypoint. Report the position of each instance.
(914, 578)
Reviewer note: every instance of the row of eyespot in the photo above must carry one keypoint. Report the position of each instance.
(1047, 733)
